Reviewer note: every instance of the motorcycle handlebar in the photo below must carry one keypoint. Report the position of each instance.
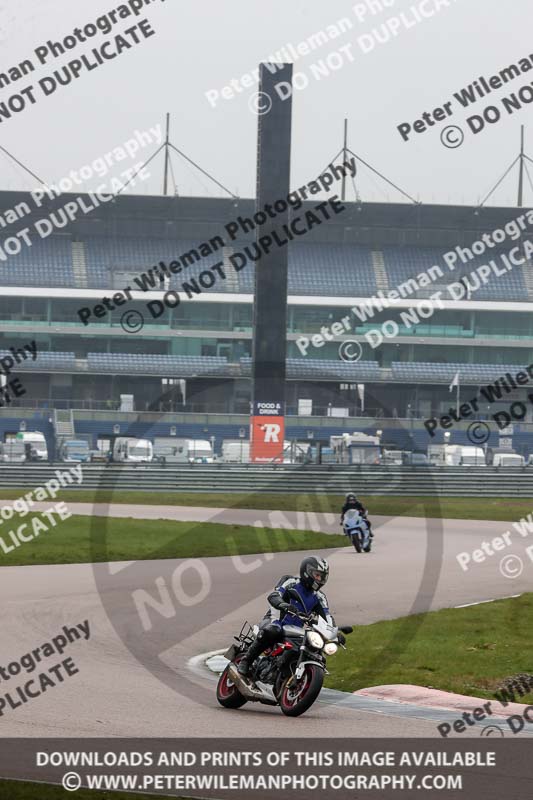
(308, 618)
(303, 617)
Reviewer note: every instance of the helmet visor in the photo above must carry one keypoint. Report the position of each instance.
(319, 576)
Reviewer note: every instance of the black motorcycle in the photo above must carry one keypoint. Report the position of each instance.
(289, 674)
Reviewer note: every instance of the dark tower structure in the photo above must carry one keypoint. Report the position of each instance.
(270, 299)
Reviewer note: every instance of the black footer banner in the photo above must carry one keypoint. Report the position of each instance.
(283, 768)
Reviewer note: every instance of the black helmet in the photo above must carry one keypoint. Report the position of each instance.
(314, 572)
(351, 496)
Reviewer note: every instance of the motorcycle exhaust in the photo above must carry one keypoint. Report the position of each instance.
(250, 691)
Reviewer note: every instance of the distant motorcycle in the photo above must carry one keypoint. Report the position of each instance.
(357, 530)
(289, 674)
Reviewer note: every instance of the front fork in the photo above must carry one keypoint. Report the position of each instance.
(303, 661)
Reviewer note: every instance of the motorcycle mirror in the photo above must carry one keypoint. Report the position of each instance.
(346, 629)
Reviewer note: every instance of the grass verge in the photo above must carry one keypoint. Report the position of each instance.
(463, 650)
(491, 508)
(22, 790)
(84, 539)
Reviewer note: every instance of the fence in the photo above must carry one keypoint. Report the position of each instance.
(330, 479)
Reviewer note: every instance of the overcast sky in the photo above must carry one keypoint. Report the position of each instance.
(201, 45)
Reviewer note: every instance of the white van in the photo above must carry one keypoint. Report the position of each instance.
(392, 457)
(36, 442)
(200, 451)
(508, 460)
(170, 450)
(437, 454)
(473, 457)
(452, 455)
(133, 451)
(236, 451)
(13, 451)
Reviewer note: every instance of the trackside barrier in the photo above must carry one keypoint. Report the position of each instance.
(247, 479)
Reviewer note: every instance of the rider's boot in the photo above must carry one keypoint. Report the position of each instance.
(243, 668)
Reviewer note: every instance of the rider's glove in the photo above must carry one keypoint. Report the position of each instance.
(288, 608)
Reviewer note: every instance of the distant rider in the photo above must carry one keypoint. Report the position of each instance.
(351, 501)
(292, 595)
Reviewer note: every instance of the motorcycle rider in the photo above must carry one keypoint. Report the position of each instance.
(291, 595)
(351, 501)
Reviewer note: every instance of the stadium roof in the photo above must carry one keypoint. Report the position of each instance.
(198, 218)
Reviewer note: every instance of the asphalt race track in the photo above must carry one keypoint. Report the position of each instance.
(412, 568)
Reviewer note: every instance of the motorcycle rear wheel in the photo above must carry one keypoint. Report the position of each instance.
(227, 693)
(295, 698)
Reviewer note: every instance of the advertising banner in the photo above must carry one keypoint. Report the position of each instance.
(267, 433)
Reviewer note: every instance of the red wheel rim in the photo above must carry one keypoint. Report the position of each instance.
(226, 687)
(291, 695)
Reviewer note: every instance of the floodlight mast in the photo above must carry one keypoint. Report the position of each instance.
(521, 170)
(269, 344)
(521, 159)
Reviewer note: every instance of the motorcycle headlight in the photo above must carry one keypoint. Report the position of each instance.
(315, 640)
(330, 648)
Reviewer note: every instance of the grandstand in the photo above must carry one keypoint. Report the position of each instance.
(206, 341)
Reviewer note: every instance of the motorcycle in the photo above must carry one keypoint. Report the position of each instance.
(289, 675)
(357, 530)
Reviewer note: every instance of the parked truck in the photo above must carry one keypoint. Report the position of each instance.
(171, 450)
(356, 448)
(34, 445)
(74, 450)
(504, 457)
(456, 455)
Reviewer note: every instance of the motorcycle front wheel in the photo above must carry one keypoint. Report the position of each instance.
(297, 696)
(356, 543)
(227, 693)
